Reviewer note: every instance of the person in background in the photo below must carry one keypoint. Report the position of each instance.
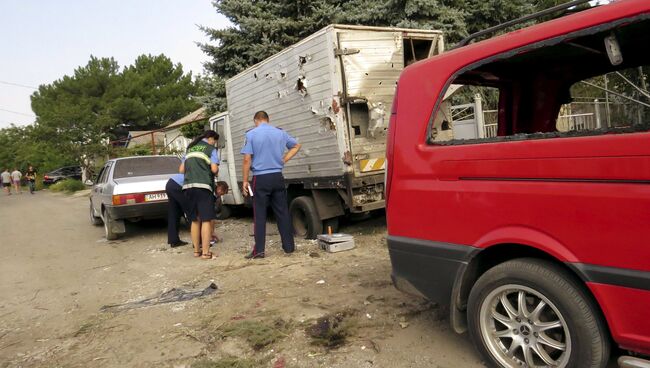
(200, 166)
(221, 189)
(15, 178)
(31, 179)
(178, 205)
(265, 153)
(6, 181)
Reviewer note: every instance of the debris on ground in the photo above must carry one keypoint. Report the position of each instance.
(226, 363)
(258, 334)
(332, 331)
(170, 296)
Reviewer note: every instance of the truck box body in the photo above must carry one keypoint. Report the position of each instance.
(332, 91)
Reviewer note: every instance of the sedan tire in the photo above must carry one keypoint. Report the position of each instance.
(108, 227)
(532, 313)
(97, 221)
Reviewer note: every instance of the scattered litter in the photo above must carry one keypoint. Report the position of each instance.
(280, 363)
(320, 282)
(336, 242)
(178, 324)
(365, 302)
(332, 331)
(171, 296)
(403, 324)
(363, 347)
(368, 315)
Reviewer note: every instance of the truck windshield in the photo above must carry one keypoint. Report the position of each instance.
(145, 166)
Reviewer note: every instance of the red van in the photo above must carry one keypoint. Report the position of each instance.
(518, 189)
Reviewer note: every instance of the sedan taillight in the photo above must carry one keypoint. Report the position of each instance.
(128, 199)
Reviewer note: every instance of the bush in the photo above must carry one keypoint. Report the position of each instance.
(68, 186)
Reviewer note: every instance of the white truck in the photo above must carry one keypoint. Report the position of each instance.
(333, 91)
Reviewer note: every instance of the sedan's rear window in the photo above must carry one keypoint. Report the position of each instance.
(144, 166)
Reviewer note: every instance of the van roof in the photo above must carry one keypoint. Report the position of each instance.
(619, 10)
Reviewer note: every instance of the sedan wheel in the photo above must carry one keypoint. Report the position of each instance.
(94, 219)
(108, 227)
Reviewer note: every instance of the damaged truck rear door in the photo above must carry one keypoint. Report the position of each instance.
(333, 91)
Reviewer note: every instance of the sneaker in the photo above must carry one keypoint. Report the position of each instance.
(252, 255)
(178, 244)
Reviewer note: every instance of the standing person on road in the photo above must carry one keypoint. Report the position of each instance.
(265, 153)
(6, 181)
(15, 177)
(200, 166)
(31, 179)
(178, 205)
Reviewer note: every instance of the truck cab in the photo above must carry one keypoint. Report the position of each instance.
(517, 188)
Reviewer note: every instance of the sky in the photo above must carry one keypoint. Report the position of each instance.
(43, 40)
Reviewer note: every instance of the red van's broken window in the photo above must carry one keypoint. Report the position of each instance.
(567, 87)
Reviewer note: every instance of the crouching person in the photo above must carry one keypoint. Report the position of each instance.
(178, 206)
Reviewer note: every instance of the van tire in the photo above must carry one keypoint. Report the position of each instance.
(304, 218)
(564, 301)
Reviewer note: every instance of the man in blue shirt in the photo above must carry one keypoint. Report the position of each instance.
(177, 205)
(266, 150)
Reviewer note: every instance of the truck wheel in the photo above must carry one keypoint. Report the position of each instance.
(305, 219)
(224, 213)
(331, 222)
(532, 313)
(108, 227)
(94, 219)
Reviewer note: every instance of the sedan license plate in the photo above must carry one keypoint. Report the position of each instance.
(155, 197)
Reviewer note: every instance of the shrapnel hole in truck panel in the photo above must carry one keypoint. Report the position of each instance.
(561, 88)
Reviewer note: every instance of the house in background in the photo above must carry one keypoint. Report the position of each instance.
(143, 138)
(174, 139)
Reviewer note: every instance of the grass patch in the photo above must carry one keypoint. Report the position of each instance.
(258, 334)
(68, 186)
(332, 330)
(226, 363)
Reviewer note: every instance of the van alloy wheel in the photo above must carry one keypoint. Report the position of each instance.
(523, 328)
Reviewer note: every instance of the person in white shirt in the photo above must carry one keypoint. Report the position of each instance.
(6, 181)
(15, 178)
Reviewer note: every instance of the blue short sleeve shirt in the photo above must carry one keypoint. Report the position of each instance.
(178, 178)
(267, 145)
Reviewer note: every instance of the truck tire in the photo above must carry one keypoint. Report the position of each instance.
(530, 312)
(94, 220)
(224, 213)
(304, 217)
(108, 227)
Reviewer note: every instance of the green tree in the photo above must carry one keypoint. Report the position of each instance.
(264, 27)
(79, 114)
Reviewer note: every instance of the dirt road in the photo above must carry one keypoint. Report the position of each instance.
(72, 299)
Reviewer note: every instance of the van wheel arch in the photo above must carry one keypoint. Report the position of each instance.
(491, 257)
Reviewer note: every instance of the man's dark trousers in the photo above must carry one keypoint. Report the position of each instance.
(269, 189)
(177, 206)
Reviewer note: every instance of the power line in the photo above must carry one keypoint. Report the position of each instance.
(18, 85)
(18, 113)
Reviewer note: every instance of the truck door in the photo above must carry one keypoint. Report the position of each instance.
(371, 62)
(227, 170)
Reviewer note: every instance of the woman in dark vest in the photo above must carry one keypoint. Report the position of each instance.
(200, 165)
